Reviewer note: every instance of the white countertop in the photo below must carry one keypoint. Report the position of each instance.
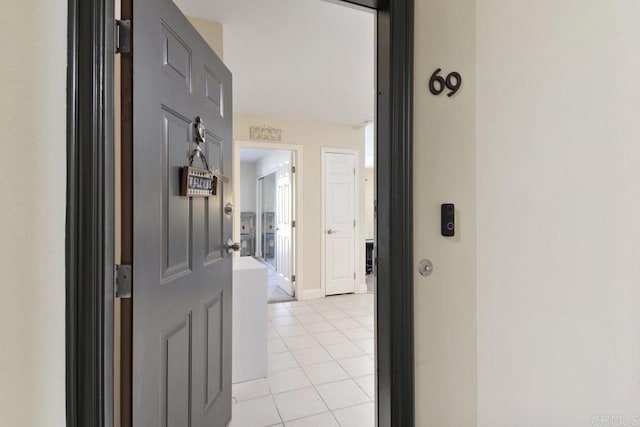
(247, 263)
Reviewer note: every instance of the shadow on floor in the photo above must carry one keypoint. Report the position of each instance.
(275, 292)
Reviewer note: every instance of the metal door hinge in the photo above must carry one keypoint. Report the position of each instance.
(293, 169)
(293, 278)
(123, 281)
(123, 36)
(354, 276)
(354, 223)
(293, 224)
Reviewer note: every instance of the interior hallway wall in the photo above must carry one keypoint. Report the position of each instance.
(33, 48)
(369, 203)
(313, 136)
(248, 185)
(558, 212)
(444, 172)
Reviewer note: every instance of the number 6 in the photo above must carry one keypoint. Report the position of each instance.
(436, 78)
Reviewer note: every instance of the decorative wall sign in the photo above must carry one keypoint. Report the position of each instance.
(437, 83)
(197, 182)
(265, 133)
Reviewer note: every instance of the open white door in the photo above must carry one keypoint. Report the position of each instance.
(284, 213)
(340, 223)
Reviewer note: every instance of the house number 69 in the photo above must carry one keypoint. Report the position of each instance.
(437, 83)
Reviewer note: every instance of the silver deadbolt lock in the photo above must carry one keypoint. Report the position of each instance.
(425, 267)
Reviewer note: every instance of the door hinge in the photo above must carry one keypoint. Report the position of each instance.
(293, 169)
(354, 223)
(354, 171)
(293, 224)
(354, 276)
(293, 278)
(123, 283)
(123, 36)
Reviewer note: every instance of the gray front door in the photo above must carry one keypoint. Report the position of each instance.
(182, 273)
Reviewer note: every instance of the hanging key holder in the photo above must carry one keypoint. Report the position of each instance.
(196, 182)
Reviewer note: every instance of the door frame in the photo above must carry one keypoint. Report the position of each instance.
(90, 216)
(323, 223)
(297, 155)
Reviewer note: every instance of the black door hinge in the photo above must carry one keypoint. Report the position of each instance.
(123, 36)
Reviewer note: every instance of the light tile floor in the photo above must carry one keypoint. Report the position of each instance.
(321, 367)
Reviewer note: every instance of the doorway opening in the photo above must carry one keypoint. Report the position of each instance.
(90, 381)
(270, 216)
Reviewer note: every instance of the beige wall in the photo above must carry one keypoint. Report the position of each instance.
(444, 135)
(544, 166)
(33, 47)
(558, 212)
(313, 136)
(211, 32)
(247, 187)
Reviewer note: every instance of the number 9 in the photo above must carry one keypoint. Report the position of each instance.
(450, 85)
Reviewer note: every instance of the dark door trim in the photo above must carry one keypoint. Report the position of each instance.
(89, 247)
(89, 225)
(394, 198)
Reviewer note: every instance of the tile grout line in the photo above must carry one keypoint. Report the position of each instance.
(323, 347)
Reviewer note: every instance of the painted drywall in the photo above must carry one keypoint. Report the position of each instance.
(269, 193)
(211, 32)
(313, 136)
(32, 212)
(271, 161)
(369, 203)
(444, 162)
(558, 144)
(247, 187)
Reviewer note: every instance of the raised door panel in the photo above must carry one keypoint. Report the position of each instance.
(177, 225)
(176, 375)
(182, 275)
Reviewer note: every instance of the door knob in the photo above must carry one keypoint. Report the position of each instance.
(231, 247)
(330, 231)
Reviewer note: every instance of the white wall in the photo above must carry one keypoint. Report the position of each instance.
(312, 136)
(271, 161)
(33, 48)
(444, 162)
(248, 187)
(269, 203)
(369, 203)
(558, 212)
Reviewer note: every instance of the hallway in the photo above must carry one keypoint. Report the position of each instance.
(320, 368)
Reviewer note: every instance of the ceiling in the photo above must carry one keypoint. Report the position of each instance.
(307, 59)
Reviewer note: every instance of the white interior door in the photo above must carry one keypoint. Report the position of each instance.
(284, 210)
(340, 223)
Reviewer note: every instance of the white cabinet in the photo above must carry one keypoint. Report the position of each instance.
(249, 320)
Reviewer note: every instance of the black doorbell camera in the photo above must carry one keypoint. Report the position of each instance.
(448, 223)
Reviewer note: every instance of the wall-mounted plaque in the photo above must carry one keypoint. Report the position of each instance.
(196, 182)
(265, 134)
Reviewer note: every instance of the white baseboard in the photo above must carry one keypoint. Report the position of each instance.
(362, 289)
